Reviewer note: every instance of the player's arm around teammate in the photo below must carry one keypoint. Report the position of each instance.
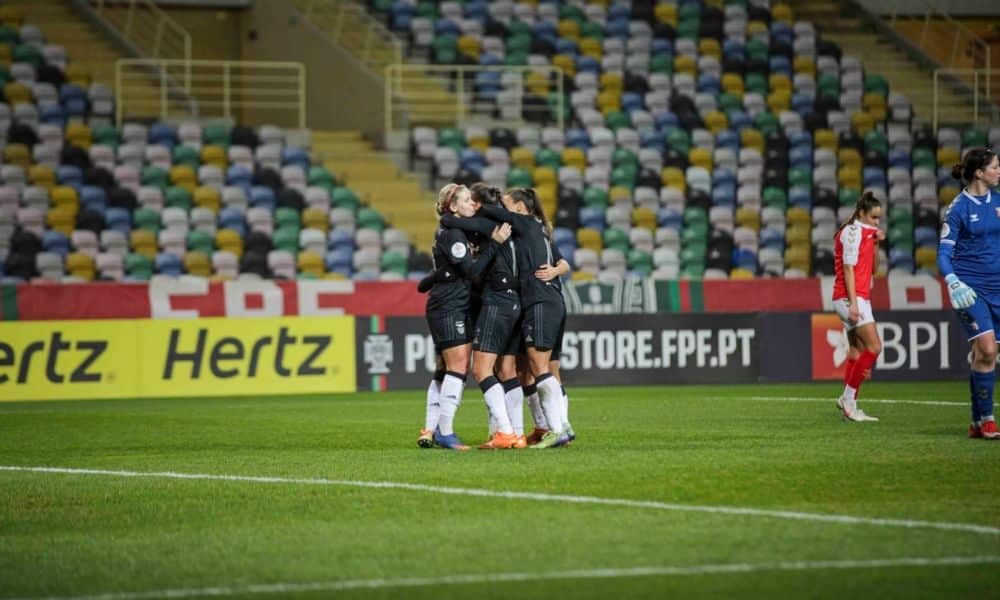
(448, 308)
(855, 249)
(969, 260)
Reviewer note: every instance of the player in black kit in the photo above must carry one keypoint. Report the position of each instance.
(543, 309)
(497, 331)
(448, 308)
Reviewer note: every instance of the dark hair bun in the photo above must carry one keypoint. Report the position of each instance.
(956, 171)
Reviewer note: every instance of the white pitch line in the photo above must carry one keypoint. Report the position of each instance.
(411, 582)
(833, 401)
(540, 497)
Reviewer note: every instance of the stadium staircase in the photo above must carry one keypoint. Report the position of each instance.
(881, 54)
(376, 178)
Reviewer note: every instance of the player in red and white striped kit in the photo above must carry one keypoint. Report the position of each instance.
(855, 252)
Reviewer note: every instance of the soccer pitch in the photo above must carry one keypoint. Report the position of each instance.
(756, 491)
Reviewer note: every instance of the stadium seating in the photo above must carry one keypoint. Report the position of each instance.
(82, 200)
(735, 136)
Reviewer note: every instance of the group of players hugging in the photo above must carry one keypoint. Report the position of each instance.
(495, 298)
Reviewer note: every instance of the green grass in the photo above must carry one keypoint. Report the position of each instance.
(73, 534)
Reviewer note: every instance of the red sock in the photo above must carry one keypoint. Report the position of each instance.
(848, 367)
(857, 374)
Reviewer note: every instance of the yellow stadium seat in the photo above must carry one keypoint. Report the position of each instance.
(143, 242)
(569, 28)
(314, 218)
(947, 194)
(732, 83)
(478, 142)
(685, 64)
(548, 195)
(849, 177)
(709, 47)
(78, 74)
(756, 27)
(700, 157)
(826, 139)
(849, 157)
(544, 176)
(666, 13)
(183, 176)
(797, 257)
(782, 13)
(334, 276)
(574, 157)
(80, 265)
(748, 217)
(590, 239)
(565, 62)
(12, 15)
(862, 122)
(619, 193)
(644, 218)
(469, 46)
(779, 100)
(778, 82)
(17, 93)
(42, 176)
(716, 121)
(672, 177)
(592, 47)
(78, 134)
(752, 138)
(538, 83)
(310, 263)
(798, 216)
(612, 82)
(609, 100)
(229, 240)
(214, 156)
(741, 274)
(522, 157)
(946, 157)
(874, 104)
(197, 263)
(17, 154)
(61, 219)
(207, 197)
(926, 258)
(804, 64)
(582, 276)
(64, 196)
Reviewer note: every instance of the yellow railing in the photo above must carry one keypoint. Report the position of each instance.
(445, 95)
(349, 25)
(249, 92)
(946, 41)
(144, 25)
(984, 106)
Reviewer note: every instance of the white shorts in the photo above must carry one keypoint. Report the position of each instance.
(864, 312)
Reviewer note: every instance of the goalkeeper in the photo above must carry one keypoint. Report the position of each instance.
(969, 260)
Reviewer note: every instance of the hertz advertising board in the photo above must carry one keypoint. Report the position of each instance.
(69, 360)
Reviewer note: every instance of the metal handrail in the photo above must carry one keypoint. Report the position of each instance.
(212, 89)
(960, 31)
(349, 25)
(983, 104)
(437, 95)
(148, 28)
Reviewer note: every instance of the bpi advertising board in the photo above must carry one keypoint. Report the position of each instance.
(398, 353)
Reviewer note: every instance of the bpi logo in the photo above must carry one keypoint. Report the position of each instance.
(378, 353)
(829, 347)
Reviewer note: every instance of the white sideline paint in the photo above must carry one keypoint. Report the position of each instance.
(540, 497)
(833, 400)
(354, 584)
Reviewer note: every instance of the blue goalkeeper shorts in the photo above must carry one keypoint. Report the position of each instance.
(980, 318)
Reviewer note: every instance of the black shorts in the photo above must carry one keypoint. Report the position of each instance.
(542, 324)
(497, 324)
(557, 346)
(449, 329)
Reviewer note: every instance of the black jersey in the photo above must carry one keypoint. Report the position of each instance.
(453, 255)
(533, 250)
(502, 274)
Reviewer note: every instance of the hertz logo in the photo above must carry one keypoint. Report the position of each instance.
(228, 357)
(84, 354)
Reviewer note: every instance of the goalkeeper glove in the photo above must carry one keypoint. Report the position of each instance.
(962, 296)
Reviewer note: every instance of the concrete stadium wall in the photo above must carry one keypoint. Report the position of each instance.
(341, 94)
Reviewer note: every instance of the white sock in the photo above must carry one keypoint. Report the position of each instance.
(433, 405)
(551, 399)
(536, 411)
(498, 407)
(565, 409)
(515, 409)
(491, 422)
(850, 393)
(451, 398)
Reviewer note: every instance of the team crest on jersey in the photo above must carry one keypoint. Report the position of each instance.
(458, 250)
(946, 231)
(460, 327)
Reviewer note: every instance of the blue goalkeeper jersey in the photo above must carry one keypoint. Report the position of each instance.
(970, 242)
